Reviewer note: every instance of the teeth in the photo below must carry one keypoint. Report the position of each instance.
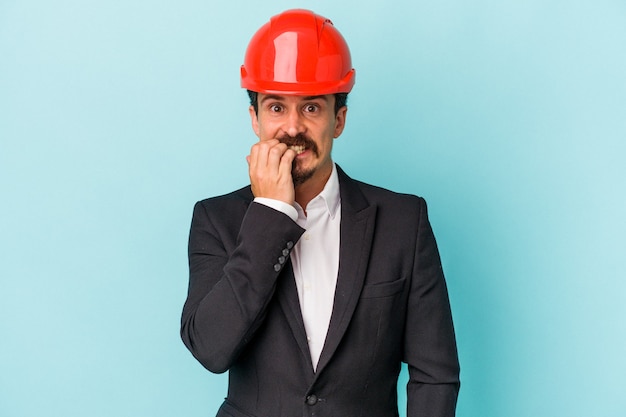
(298, 149)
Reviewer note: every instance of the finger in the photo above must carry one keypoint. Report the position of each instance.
(259, 152)
(254, 160)
(275, 156)
(286, 162)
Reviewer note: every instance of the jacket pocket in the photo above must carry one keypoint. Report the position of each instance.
(230, 410)
(384, 289)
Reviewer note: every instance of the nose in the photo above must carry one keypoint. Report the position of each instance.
(294, 123)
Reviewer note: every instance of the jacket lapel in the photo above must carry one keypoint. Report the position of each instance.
(356, 233)
(287, 294)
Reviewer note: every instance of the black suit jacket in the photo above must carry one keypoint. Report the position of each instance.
(391, 305)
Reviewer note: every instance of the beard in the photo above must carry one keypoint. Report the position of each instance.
(299, 174)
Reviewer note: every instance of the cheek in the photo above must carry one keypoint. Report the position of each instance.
(326, 145)
(266, 132)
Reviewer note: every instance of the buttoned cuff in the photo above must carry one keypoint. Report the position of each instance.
(278, 205)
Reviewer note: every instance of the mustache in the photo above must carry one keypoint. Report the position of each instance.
(299, 140)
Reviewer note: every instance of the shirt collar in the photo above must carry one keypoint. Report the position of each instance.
(330, 193)
(328, 198)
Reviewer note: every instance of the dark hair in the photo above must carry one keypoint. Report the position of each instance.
(341, 99)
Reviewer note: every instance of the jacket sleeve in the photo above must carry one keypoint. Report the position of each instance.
(232, 283)
(430, 346)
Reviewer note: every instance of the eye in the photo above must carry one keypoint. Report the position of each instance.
(275, 108)
(311, 108)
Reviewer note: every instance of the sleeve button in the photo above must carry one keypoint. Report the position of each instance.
(311, 399)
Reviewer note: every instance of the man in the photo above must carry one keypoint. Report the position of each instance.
(309, 287)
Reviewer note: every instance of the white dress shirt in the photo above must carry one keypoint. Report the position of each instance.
(315, 259)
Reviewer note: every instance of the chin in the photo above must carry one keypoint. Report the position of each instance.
(300, 177)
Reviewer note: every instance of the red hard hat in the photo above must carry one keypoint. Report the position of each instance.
(298, 52)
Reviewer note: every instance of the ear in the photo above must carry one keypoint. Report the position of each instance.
(254, 118)
(340, 120)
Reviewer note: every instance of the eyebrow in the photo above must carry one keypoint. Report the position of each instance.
(279, 98)
(271, 97)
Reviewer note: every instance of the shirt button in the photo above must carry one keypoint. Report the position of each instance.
(285, 252)
(311, 399)
(282, 260)
(289, 244)
(277, 267)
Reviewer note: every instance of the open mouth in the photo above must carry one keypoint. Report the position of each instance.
(298, 149)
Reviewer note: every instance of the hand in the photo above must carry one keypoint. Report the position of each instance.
(270, 164)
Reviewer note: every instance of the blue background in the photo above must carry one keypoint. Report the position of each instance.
(509, 117)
